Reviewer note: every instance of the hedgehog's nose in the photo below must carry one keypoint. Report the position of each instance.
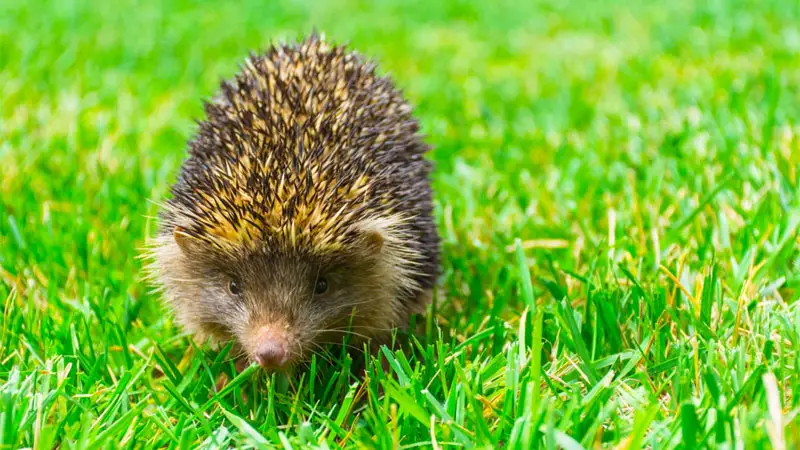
(271, 350)
(271, 354)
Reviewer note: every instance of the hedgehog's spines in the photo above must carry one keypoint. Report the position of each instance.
(305, 131)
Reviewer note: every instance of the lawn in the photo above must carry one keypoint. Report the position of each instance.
(617, 191)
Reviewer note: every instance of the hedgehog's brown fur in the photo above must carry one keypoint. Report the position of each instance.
(307, 163)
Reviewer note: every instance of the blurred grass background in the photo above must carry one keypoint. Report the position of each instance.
(644, 154)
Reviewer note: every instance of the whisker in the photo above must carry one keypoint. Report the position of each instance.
(350, 305)
(353, 347)
(324, 353)
(344, 331)
(367, 327)
(364, 327)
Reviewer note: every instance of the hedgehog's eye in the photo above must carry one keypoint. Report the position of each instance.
(321, 286)
(234, 288)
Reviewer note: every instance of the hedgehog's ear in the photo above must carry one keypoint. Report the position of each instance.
(372, 242)
(187, 243)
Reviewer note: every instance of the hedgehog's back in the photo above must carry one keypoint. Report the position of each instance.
(304, 144)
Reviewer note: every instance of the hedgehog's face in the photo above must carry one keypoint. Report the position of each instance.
(281, 306)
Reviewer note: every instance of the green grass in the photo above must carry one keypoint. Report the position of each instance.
(617, 191)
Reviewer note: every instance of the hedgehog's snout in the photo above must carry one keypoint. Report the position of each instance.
(271, 345)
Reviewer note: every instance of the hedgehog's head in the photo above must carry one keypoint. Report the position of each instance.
(280, 303)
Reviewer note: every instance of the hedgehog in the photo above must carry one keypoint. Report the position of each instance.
(303, 214)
